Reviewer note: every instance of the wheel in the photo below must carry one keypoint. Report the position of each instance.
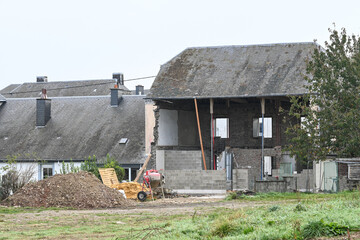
(142, 196)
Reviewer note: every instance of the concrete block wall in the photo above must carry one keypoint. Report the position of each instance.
(302, 179)
(346, 184)
(182, 160)
(286, 185)
(195, 181)
(241, 179)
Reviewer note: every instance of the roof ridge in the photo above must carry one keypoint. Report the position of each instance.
(253, 45)
(72, 81)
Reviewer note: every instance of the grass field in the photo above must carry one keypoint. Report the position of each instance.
(265, 216)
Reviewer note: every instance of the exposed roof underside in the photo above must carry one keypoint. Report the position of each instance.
(79, 127)
(58, 89)
(234, 71)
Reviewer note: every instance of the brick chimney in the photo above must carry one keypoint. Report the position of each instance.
(140, 90)
(43, 110)
(119, 77)
(41, 79)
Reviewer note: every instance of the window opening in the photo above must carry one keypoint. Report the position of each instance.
(222, 127)
(259, 128)
(267, 165)
(47, 171)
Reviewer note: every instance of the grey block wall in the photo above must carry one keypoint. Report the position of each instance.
(182, 160)
(240, 179)
(302, 179)
(195, 179)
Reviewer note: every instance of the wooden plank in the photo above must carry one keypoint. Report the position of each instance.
(108, 176)
(142, 168)
(201, 142)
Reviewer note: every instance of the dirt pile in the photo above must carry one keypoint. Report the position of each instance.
(131, 189)
(76, 190)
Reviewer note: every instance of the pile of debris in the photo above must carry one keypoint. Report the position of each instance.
(75, 190)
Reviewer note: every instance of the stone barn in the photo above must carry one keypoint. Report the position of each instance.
(221, 115)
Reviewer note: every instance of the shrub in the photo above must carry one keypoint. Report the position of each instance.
(223, 229)
(320, 228)
(13, 180)
(299, 207)
(90, 165)
(68, 168)
(112, 163)
(274, 208)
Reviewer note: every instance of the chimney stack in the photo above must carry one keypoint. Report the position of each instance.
(140, 90)
(119, 78)
(41, 79)
(43, 110)
(116, 97)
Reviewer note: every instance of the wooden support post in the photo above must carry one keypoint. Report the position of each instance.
(142, 168)
(212, 133)
(262, 136)
(201, 143)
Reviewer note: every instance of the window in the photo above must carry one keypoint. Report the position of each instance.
(259, 127)
(222, 127)
(47, 171)
(267, 165)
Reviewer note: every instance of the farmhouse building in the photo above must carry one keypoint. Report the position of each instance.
(237, 98)
(75, 120)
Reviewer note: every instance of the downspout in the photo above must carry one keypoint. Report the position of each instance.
(212, 163)
(262, 136)
(198, 123)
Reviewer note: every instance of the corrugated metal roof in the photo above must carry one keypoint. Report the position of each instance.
(62, 88)
(234, 71)
(79, 127)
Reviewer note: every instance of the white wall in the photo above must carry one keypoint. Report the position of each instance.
(22, 167)
(168, 128)
(58, 166)
(36, 168)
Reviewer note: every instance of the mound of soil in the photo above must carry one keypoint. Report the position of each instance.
(76, 190)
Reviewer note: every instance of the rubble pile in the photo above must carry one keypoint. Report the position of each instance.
(131, 189)
(76, 190)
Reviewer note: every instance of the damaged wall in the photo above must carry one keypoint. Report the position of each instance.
(177, 126)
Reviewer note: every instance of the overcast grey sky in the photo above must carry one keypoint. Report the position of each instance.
(91, 39)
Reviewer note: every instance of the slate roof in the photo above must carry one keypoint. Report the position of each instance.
(79, 127)
(234, 71)
(62, 88)
(2, 98)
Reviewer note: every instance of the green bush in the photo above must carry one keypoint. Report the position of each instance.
(112, 163)
(320, 228)
(299, 208)
(223, 229)
(274, 208)
(90, 165)
(68, 168)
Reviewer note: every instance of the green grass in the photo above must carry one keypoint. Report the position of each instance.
(280, 216)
